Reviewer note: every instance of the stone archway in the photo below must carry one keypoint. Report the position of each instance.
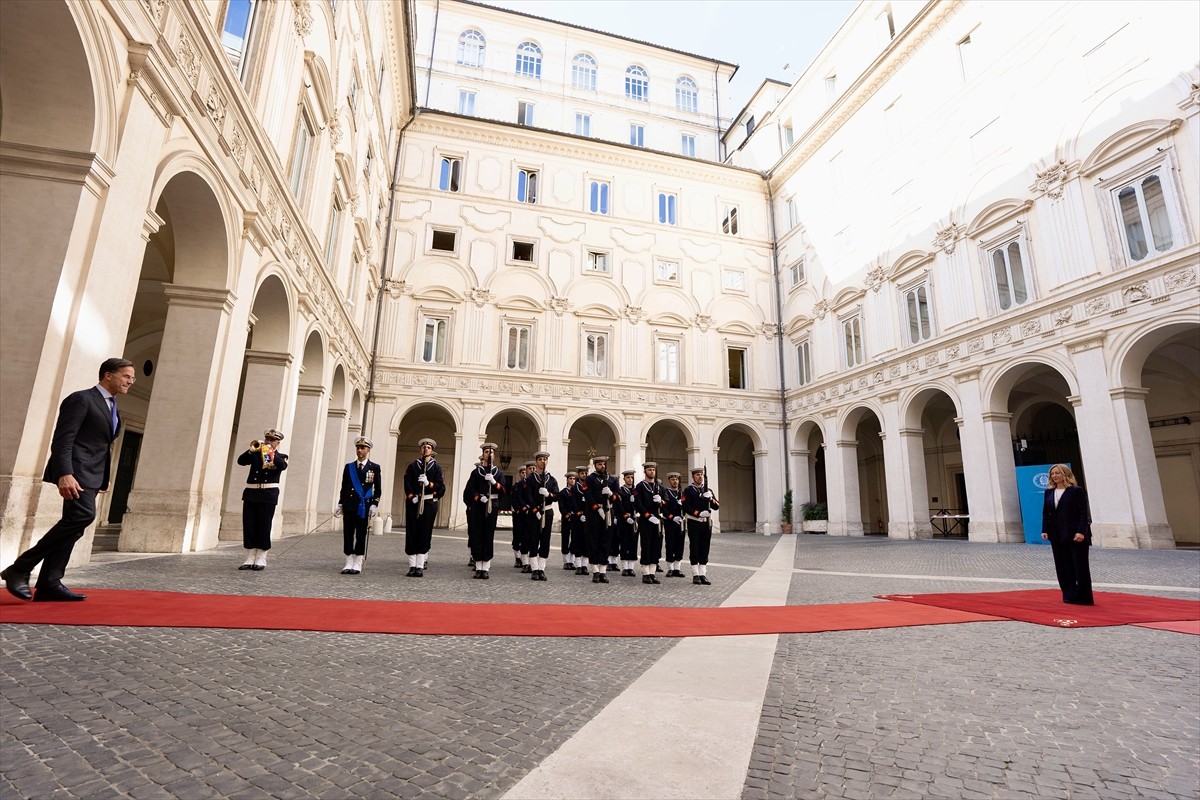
(592, 435)
(668, 445)
(336, 448)
(300, 511)
(736, 481)
(809, 454)
(931, 468)
(180, 326)
(436, 422)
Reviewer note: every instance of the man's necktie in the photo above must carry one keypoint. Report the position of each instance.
(115, 419)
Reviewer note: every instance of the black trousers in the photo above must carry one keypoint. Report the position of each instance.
(1074, 573)
(53, 550)
(418, 528)
(566, 533)
(652, 542)
(256, 525)
(699, 538)
(354, 533)
(539, 544)
(483, 541)
(673, 533)
(518, 530)
(629, 540)
(599, 537)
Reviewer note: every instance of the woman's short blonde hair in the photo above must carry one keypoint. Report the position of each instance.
(1068, 476)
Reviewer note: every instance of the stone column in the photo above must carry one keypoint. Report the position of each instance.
(903, 470)
(766, 511)
(175, 503)
(262, 405)
(802, 482)
(1141, 468)
(994, 506)
(300, 506)
(841, 475)
(336, 451)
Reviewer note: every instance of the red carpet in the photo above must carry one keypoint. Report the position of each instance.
(1045, 607)
(1190, 626)
(136, 608)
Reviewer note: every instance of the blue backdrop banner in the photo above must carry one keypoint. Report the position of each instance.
(1032, 483)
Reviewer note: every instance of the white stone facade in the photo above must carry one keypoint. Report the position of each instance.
(246, 169)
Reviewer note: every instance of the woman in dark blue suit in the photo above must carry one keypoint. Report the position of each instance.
(1066, 524)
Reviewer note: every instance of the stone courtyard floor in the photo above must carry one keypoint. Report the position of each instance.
(988, 709)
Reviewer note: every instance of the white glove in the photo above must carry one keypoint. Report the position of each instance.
(372, 511)
(657, 498)
(423, 480)
(337, 512)
(582, 518)
(539, 516)
(655, 520)
(705, 514)
(414, 500)
(544, 492)
(607, 492)
(708, 494)
(490, 478)
(483, 498)
(629, 520)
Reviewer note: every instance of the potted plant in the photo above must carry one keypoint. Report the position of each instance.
(816, 517)
(786, 513)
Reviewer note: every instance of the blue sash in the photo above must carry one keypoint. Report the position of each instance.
(362, 502)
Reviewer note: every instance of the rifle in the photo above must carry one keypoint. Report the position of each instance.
(421, 493)
(488, 504)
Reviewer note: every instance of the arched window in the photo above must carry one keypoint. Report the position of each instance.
(583, 72)
(529, 60)
(471, 45)
(686, 96)
(637, 84)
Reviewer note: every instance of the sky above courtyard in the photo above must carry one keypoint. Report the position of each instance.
(766, 38)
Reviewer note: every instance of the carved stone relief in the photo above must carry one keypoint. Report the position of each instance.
(1137, 292)
(1002, 336)
(1030, 327)
(1097, 305)
(1180, 278)
(1062, 316)
(303, 18)
(947, 238)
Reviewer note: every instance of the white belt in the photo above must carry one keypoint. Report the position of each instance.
(262, 485)
(690, 518)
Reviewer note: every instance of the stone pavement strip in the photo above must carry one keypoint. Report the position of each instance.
(995, 710)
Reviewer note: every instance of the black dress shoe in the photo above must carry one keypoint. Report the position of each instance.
(603, 577)
(568, 565)
(612, 568)
(581, 571)
(412, 572)
(704, 581)
(526, 569)
(17, 583)
(645, 579)
(246, 566)
(420, 573)
(658, 568)
(483, 575)
(696, 579)
(58, 594)
(518, 565)
(595, 577)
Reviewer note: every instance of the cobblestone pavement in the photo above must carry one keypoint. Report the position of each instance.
(992, 709)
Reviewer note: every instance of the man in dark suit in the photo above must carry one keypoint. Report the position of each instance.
(80, 458)
(358, 500)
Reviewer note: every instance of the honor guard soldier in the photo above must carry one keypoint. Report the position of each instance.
(423, 487)
(627, 528)
(260, 496)
(672, 516)
(601, 496)
(518, 520)
(358, 503)
(542, 490)
(648, 495)
(580, 548)
(698, 505)
(567, 517)
(482, 495)
(524, 495)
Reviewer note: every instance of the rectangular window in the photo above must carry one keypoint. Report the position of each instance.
(300, 150)
(831, 88)
(853, 341)
(793, 213)
(666, 271)
(443, 241)
(804, 363)
(352, 95)
(524, 113)
(367, 162)
(450, 177)
(729, 220)
(597, 261)
(789, 136)
(1009, 277)
(666, 208)
(796, 273)
(1144, 219)
(668, 361)
(595, 355)
(517, 340)
(733, 280)
(331, 239)
(889, 23)
(687, 145)
(523, 251)
(583, 124)
(527, 186)
(737, 367)
(583, 73)
(598, 197)
(235, 36)
(964, 58)
(466, 103)
(916, 311)
(433, 340)
(637, 134)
